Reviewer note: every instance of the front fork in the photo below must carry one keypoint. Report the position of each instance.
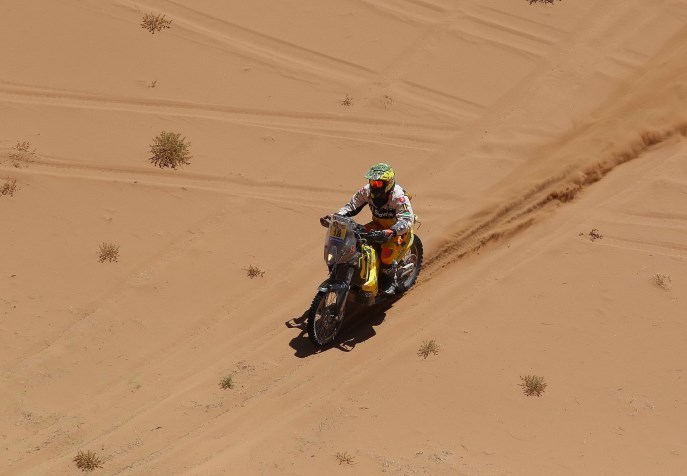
(339, 281)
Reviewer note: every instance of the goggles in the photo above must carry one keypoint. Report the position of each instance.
(377, 183)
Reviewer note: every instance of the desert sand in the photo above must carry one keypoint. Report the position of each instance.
(545, 149)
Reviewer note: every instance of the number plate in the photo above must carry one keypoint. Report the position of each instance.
(337, 230)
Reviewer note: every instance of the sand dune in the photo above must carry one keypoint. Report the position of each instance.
(519, 129)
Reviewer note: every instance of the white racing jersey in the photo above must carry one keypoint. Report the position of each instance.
(396, 214)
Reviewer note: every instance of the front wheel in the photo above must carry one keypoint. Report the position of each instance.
(325, 318)
(409, 267)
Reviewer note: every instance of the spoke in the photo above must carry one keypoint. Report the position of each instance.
(325, 322)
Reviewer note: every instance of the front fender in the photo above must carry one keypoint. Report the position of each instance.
(332, 285)
(339, 279)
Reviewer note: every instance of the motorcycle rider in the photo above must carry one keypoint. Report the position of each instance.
(392, 219)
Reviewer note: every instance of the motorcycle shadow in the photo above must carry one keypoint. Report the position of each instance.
(358, 327)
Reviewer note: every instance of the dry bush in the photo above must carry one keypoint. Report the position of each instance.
(87, 461)
(533, 385)
(9, 187)
(227, 382)
(254, 272)
(152, 84)
(662, 280)
(21, 153)
(593, 235)
(108, 252)
(154, 23)
(344, 458)
(428, 347)
(387, 101)
(542, 1)
(347, 101)
(169, 149)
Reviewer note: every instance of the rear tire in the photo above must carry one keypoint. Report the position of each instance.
(406, 278)
(323, 325)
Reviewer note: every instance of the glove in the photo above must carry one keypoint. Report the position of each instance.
(324, 221)
(381, 236)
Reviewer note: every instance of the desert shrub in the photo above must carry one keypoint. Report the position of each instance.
(428, 347)
(593, 235)
(254, 272)
(169, 149)
(9, 187)
(108, 252)
(662, 280)
(347, 101)
(227, 382)
(532, 385)
(21, 153)
(87, 461)
(154, 23)
(344, 457)
(542, 1)
(387, 101)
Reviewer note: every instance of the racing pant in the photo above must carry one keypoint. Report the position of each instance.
(394, 249)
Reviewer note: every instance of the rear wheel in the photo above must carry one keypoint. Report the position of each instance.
(325, 318)
(409, 267)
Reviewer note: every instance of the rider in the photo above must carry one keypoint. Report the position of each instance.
(392, 218)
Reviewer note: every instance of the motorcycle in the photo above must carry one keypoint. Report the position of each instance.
(353, 265)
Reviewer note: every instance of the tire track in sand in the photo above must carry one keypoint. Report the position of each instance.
(280, 56)
(232, 186)
(271, 50)
(377, 131)
(521, 212)
(645, 113)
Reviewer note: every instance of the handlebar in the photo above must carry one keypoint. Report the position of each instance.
(371, 236)
(360, 231)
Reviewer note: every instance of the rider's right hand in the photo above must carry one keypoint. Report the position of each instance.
(324, 221)
(380, 236)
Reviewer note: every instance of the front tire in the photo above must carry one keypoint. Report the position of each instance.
(325, 318)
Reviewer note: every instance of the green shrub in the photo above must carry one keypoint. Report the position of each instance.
(428, 347)
(169, 149)
(87, 461)
(533, 385)
(227, 382)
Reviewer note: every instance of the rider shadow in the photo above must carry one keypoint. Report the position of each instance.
(359, 327)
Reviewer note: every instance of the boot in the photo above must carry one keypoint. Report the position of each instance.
(387, 280)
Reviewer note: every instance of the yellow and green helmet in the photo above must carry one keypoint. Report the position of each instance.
(381, 177)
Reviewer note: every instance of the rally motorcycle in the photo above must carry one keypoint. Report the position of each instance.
(353, 264)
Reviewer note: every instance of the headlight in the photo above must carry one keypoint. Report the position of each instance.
(331, 256)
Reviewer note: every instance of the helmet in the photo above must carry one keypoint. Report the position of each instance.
(382, 182)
